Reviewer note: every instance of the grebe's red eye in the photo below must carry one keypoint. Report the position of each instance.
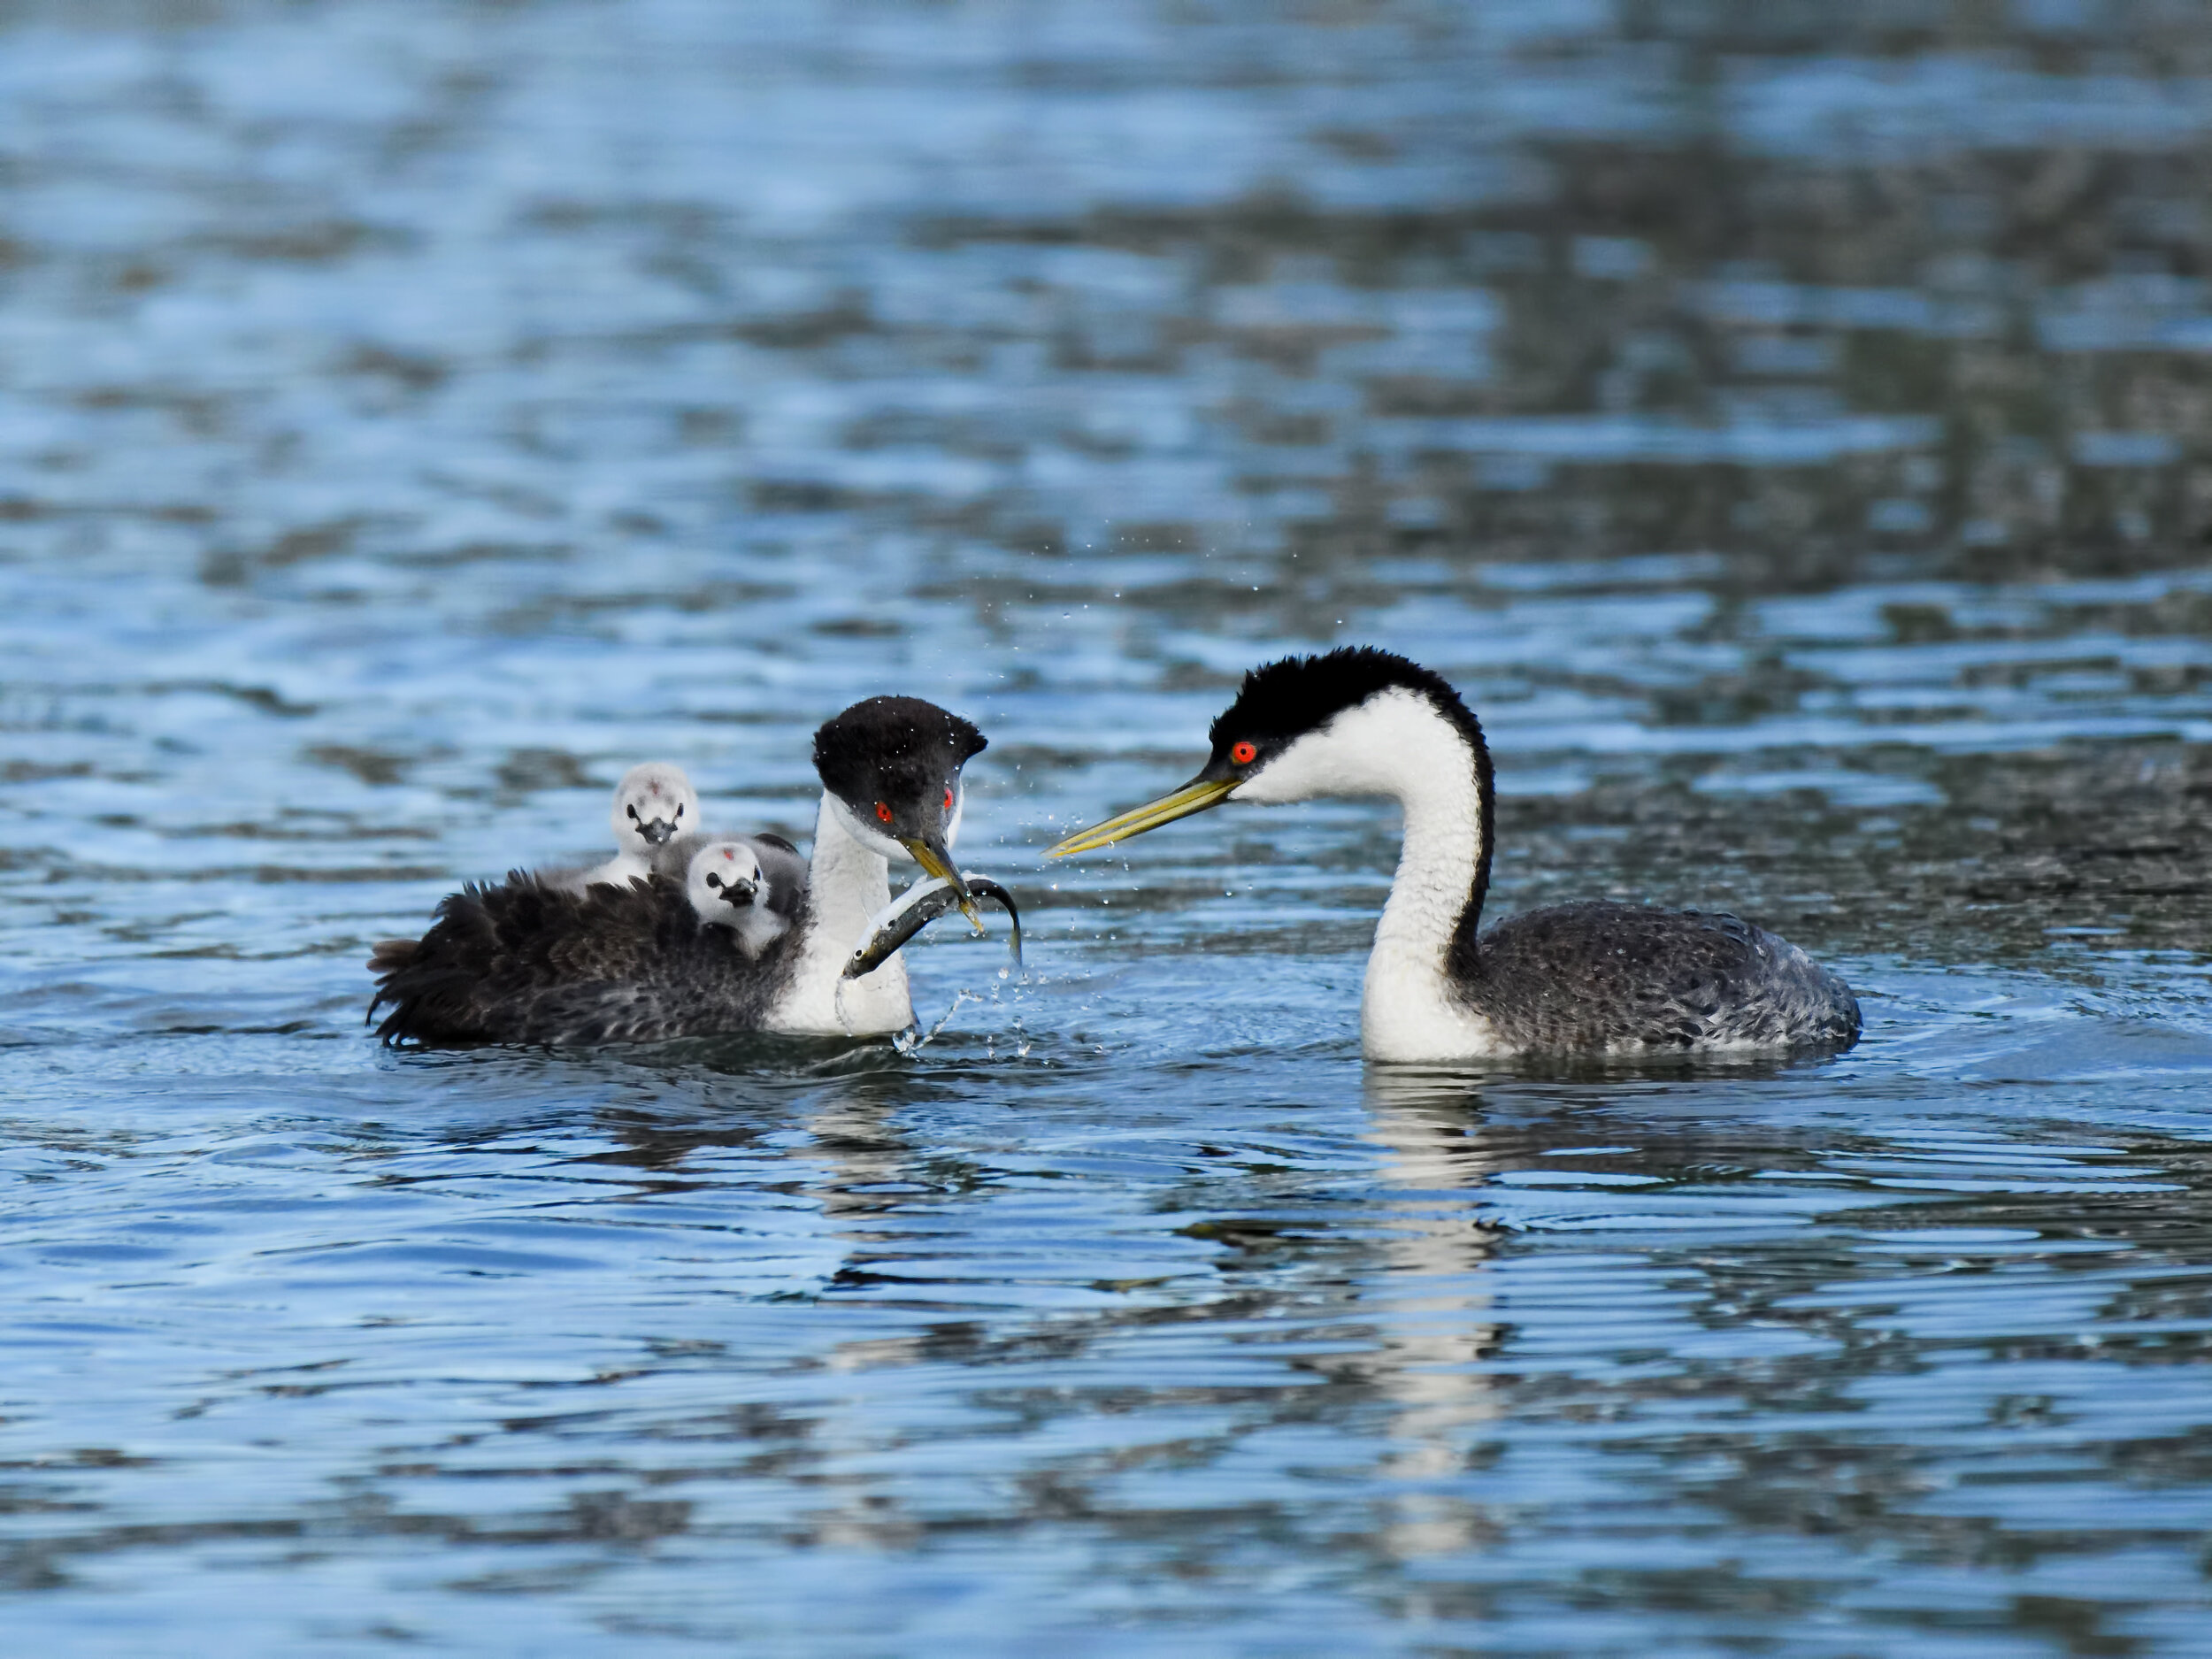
(948, 797)
(1245, 754)
(883, 812)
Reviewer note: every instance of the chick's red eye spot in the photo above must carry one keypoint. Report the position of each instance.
(1245, 754)
(883, 812)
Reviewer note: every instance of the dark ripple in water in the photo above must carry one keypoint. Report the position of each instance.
(1791, 430)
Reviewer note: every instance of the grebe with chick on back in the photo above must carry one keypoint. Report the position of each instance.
(536, 961)
(1588, 977)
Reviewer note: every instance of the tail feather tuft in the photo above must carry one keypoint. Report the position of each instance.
(389, 955)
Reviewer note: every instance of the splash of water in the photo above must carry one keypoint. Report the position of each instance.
(909, 1044)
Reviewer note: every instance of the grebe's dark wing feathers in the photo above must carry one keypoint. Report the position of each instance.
(1595, 976)
(785, 871)
(528, 962)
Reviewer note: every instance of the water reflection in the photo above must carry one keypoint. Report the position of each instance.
(1440, 1325)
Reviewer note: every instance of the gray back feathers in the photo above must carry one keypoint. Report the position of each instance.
(1596, 977)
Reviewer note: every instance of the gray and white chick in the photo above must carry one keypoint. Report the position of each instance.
(755, 886)
(653, 804)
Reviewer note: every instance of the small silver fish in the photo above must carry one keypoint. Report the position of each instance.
(915, 908)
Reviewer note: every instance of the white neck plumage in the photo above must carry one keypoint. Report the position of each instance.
(1399, 744)
(846, 884)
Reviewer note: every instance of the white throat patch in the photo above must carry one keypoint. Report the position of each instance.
(1400, 745)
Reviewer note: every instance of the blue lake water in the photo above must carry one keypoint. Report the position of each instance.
(1792, 431)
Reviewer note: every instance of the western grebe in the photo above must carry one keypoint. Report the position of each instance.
(532, 961)
(1585, 978)
(654, 803)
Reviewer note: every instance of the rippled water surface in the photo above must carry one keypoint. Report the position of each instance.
(1791, 426)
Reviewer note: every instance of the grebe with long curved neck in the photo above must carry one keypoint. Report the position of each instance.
(534, 961)
(1591, 978)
